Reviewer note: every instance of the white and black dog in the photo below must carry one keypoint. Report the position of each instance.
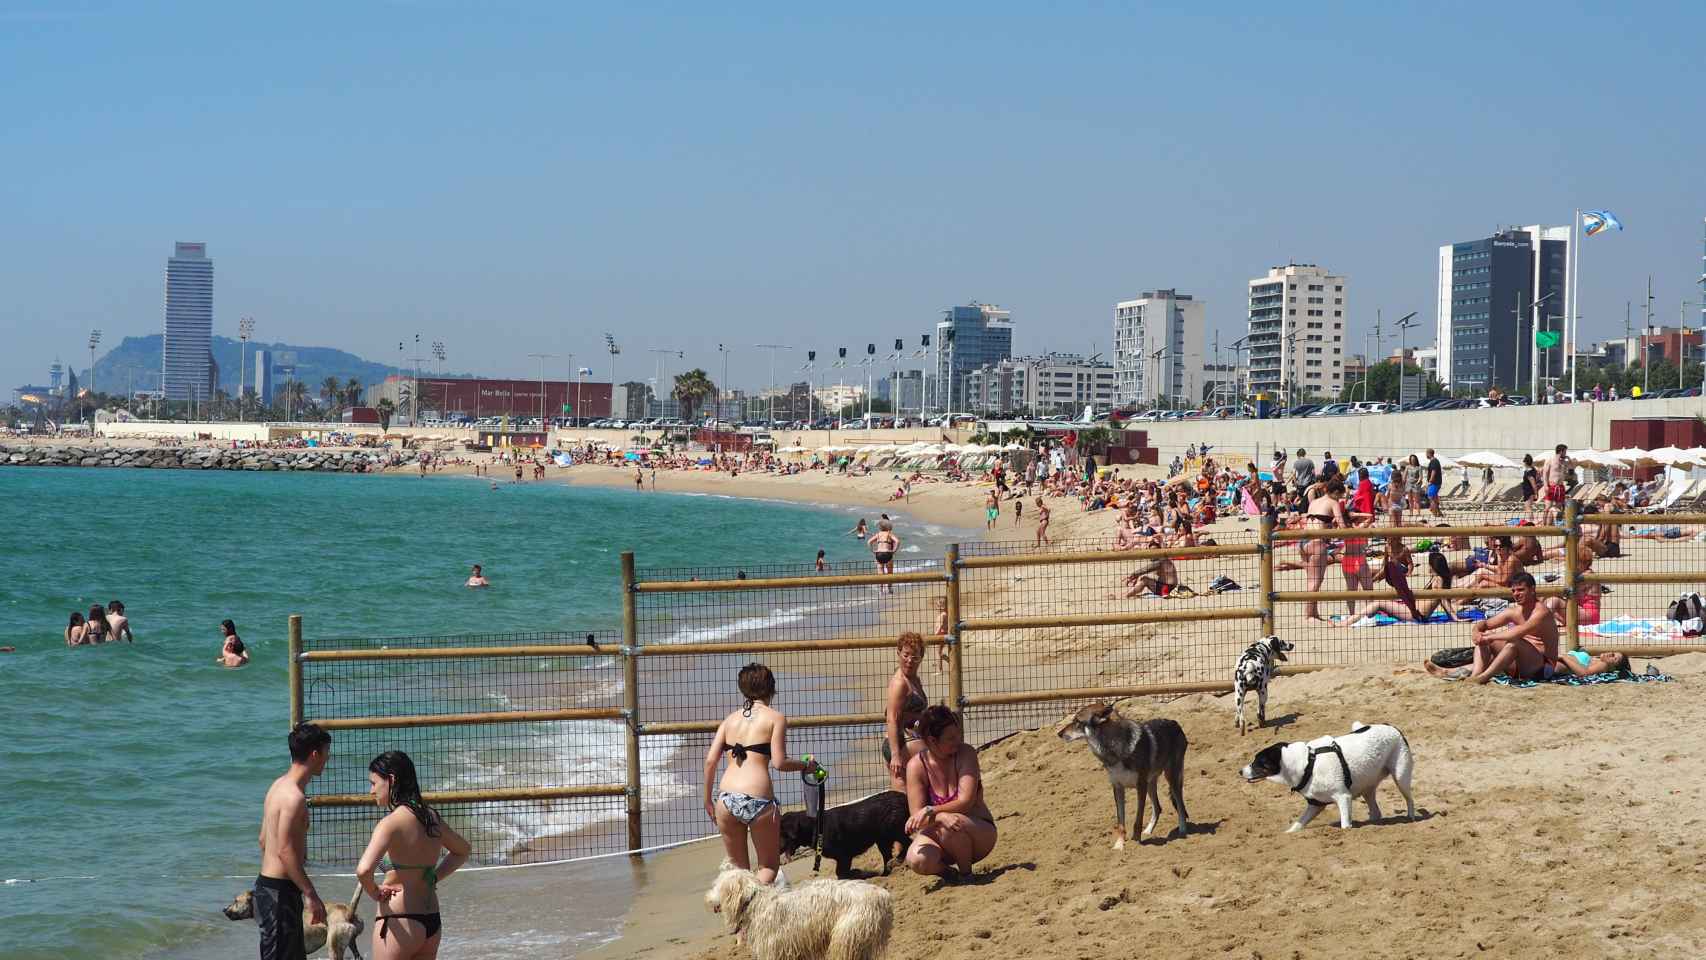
(1255, 668)
(1336, 769)
(1135, 754)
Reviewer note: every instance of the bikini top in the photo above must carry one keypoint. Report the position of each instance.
(936, 799)
(428, 871)
(915, 701)
(740, 750)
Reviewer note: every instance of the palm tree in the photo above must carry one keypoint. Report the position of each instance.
(295, 396)
(352, 392)
(385, 408)
(332, 392)
(691, 388)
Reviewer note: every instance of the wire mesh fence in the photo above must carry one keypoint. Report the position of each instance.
(1038, 633)
(486, 756)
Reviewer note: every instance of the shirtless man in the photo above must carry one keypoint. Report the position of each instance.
(478, 579)
(1553, 475)
(283, 884)
(118, 625)
(1160, 578)
(1523, 635)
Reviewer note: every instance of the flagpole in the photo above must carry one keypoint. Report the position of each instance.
(1574, 309)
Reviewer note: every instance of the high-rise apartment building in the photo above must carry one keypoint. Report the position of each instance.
(1158, 349)
(263, 377)
(1298, 324)
(185, 370)
(1488, 292)
(968, 337)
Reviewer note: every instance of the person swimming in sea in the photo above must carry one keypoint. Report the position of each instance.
(232, 652)
(859, 529)
(478, 579)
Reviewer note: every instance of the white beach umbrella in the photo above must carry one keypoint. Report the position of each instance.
(1487, 458)
(1599, 458)
(1673, 456)
(1633, 456)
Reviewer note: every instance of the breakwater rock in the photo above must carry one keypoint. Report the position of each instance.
(200, 458)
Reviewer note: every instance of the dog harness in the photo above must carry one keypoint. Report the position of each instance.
(1309, 768)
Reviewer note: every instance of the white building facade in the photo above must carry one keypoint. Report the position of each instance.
(1158, 349)
(1299, 316)
(186, 355)
(1054, 383)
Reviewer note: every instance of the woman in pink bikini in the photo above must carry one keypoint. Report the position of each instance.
(950, 825)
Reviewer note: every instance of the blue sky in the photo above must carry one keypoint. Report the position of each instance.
(517, 178)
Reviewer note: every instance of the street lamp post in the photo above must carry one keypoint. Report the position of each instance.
(541, 357)
(723, 386)
(245, 330)
(772, 347)
(1404, 325)
(438, 354)
(1534, 348)
(94, 340)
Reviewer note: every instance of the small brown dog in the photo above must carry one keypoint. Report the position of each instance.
(340, 930)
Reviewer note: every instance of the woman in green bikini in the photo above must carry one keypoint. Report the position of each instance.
(406, 845)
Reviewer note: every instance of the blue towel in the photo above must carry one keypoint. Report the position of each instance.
(1571, 680)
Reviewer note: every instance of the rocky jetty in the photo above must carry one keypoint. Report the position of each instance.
(199, 458)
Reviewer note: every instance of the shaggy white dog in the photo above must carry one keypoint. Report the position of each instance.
(828, 919)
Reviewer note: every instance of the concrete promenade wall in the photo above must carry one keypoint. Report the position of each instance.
(1511, 431)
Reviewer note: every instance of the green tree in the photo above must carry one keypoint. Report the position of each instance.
(1383, 383)
(691, 389)
(385, 408)
(332, 391)
(352, 392)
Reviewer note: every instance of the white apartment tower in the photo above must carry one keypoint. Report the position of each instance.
(1297, 333)
(1158, 349)
(186, 354)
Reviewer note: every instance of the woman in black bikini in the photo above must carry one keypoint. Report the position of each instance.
(406, 845)
(884, 545)
(951, 826)
(745, 804)
(905, 704)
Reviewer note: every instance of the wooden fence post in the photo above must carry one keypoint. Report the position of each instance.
(956, 656)
(1572, 573)
(295, 669)
(631, 698)
(1265, 557)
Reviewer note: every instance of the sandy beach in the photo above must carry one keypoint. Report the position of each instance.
(1545, 830)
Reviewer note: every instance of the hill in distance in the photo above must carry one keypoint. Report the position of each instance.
(135, 365)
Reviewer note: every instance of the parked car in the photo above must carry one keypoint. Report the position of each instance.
(1370, 406)
(1332, 410)
(1302, 410)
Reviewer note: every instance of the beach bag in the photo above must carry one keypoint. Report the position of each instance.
(1687, 607)
(1453, 657)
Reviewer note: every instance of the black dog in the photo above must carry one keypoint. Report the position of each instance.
(849, 831)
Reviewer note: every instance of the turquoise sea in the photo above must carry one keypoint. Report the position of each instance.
(131, 775)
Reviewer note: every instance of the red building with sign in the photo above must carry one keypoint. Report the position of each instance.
(496, 398)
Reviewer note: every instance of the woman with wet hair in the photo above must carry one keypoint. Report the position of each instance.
(407, 845)
(756, 739)
(75, 630)
(951, 826)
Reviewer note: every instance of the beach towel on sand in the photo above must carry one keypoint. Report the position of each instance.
(1438, 616)
(1636, 628)
(1571, 680)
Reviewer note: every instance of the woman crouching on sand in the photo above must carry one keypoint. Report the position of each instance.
(406, 845)
(951, 827)
(746, 801)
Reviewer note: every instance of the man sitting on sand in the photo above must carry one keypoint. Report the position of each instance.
(1521, 639)
(1160, 579)
(478, 579)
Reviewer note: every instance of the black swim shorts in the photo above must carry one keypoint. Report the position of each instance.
(278, 912)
